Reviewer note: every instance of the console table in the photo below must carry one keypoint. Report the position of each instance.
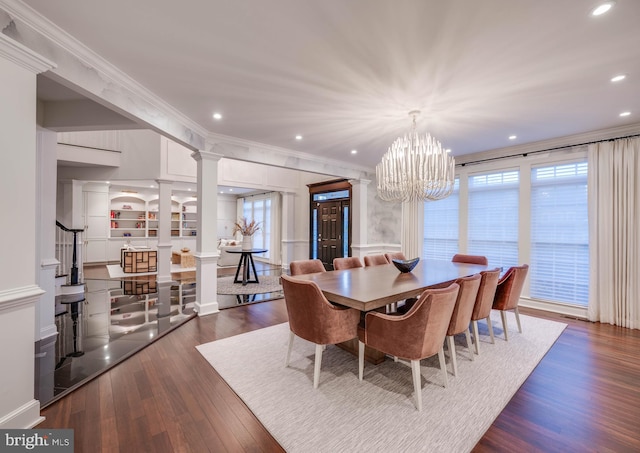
(246, 258)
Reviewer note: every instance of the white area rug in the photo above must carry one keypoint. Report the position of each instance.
(268, 284)
(115, 271)
(378, 414)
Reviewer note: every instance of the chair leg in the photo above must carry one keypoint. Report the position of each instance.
(518, 319)
(468, 335)
(476, 337)
(452, 353)
(291, 336)
(360, 359)
(417, 383)
(490, 327)
(316, 368)
(503, 314)
(443, 366)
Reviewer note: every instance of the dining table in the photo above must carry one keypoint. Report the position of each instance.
(373, 287)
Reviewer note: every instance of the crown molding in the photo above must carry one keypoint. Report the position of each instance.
(551, 144)
(43, 26)
(23, 56)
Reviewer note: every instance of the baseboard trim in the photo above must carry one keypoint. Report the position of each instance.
(555, 307)
(25, 417)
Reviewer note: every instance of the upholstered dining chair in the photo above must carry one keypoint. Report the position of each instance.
(416, 335)
(508, 294)
(470, 259)
(349, 262)
(306, 267)
(484, 302)
(461, 317)
(394, 256)
(375, 260)
(314, 318)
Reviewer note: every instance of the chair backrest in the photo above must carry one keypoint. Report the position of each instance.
(510, 287)
(394, 256)
(375, 260)
(420, 332)
(461, 316)
(306, 267)
(486, 293)
(313, 317)
(470, 259)
(348, 262)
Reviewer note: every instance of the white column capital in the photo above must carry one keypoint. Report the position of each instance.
(363, 182)
(202, 155)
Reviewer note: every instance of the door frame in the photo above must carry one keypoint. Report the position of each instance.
(328, 187)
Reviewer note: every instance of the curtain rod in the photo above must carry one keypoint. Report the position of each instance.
(525, 154)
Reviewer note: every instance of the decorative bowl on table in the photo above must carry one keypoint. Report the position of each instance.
(405, 265)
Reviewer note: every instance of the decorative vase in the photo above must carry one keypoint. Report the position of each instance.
(247, 242)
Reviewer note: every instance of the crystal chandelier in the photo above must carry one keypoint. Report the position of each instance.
(415, 168)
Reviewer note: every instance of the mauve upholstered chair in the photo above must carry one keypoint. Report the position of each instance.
(375, 260)
(469, 259)
(314, 318)
(394, 256)
(508, 294)
(349, 262)
(461, 317)
(416, 335)
(306, 267)
(484, 302)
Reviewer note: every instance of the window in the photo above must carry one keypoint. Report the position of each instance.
(259, 209)
(441, 226)
(559, 233)
(493, 217)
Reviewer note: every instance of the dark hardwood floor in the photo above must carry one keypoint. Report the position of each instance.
(583, 396)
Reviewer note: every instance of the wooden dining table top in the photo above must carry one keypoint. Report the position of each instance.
(368, 288)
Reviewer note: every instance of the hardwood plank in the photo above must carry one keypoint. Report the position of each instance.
(583, 396)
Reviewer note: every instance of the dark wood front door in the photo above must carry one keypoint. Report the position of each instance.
(329, 237)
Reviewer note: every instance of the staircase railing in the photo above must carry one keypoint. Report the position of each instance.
(67, 253)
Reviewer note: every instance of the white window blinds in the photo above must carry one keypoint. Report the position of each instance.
(493, 217)
(559, 233)
(441, 226)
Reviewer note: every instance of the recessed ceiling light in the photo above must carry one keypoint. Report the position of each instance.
(189, 190)
(298, 137)
(625, 114)
(217, 116)
(448, 150)
(512, 137)
(230, 190)
(108, 182)
(152, 186)
(618, 78)
(602, 8)
(354, 151)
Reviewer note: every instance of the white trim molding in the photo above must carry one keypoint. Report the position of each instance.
(25, 417)
(555, 307)
(49, 263)
(19, 297)
(23, 56)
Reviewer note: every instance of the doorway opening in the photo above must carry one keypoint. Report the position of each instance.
(330, 223)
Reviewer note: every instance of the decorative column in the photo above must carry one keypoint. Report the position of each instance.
(46, 228)
(359, 220)
(412, 228)
(19, 290)
(288, 228)
(164, 230)
(207, 254)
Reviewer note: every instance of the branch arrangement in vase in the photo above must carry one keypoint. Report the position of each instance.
(245, 228)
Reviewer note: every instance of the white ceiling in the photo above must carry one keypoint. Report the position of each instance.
(344, 73)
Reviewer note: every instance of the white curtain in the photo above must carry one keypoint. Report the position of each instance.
(614, 222)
